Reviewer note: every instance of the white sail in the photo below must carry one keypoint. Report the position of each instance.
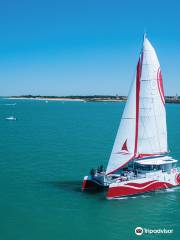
(123, 149)
(152, 132)
(142, 130)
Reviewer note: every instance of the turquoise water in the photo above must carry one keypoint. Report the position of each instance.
(43, 158)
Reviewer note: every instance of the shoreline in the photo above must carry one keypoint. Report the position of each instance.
(68, 99)
(169, 100)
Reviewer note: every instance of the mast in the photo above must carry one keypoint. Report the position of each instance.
(138, 82)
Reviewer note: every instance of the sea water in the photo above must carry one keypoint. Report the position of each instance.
(44, 156)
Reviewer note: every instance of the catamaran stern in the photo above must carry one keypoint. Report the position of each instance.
(93, 183)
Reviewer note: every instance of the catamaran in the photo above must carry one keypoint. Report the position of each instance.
(140, 160)
(11, 118)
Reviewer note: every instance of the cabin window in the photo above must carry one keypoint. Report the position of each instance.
(166, 167)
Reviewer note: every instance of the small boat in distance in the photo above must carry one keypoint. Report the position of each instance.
(140, 160)
(11, 118)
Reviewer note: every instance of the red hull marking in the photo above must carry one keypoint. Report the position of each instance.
(160, 85)
(178, 178)
(125, 191)
(84, 184)
(140, 184)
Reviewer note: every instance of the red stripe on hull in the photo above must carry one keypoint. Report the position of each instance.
(178, 178)
(84, 184)
(123, 191)
(140, 184)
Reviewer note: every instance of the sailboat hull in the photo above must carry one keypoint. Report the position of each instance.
(140, 186)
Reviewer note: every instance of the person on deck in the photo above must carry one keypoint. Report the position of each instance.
(92, 172)
(101, 168)
(135, 172)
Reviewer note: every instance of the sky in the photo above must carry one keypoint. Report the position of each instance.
(84, 47)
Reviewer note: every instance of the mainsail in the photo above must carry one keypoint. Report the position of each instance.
(142, 131)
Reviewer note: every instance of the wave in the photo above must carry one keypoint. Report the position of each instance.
(9, 104)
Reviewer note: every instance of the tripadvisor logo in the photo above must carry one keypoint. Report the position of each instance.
(139, 231)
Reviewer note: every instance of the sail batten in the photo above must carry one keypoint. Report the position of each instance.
(142, 130)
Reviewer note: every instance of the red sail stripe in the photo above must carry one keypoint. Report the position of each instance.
(160, 85)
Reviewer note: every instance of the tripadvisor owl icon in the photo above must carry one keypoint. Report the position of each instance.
(138, 231)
